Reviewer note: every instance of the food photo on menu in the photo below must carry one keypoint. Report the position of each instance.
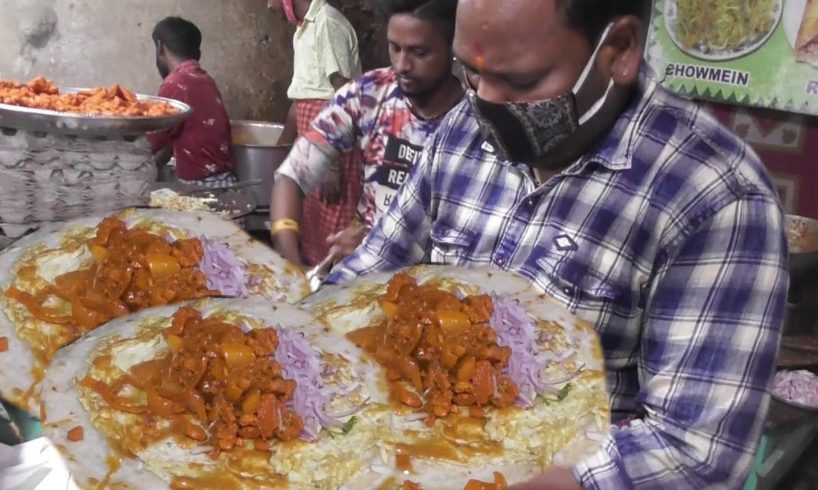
(409, 245)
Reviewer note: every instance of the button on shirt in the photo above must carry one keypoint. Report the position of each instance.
(325, 43)
(667, 236)
(201, 143)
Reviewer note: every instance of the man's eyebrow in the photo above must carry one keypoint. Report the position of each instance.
(502, 75)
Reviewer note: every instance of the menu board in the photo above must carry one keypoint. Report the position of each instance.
(762, 53)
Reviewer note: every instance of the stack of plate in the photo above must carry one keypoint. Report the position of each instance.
(58, 166)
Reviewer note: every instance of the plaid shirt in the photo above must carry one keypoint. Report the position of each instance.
(667, 236)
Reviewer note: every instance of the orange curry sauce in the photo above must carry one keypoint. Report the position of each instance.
(439, 351)
(133, 269)
(219, 386)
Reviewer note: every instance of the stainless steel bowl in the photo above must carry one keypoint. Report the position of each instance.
(45, 121)
(258, 155)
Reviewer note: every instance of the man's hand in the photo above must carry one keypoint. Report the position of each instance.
(343, 243)
(554, 479)
(331, 191)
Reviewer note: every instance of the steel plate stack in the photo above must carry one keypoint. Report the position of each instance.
(57, 166)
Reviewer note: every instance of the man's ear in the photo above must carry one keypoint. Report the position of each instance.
(160, 48)
(621, 56)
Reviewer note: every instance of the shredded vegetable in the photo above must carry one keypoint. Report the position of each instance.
(302, 362)
(800, 387)
(516, 329)
(723, 25)
(224, 271)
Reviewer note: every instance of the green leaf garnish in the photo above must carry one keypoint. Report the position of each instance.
(561, 395)
(346, 429)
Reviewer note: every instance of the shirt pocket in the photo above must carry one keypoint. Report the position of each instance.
(450, 245)
(590, 281)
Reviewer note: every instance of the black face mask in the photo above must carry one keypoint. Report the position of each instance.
(527, 131)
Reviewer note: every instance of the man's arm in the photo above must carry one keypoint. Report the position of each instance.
(297, 176)
(401, 236)
(337, 51)
(313, 157)
(337, 80)
(163, 140)
(331, 191)
(708, 353)
(163, 156)
(290, 131)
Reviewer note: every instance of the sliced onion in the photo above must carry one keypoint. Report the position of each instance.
(516, 329)
(223, 269)
(797, 386)
(301, 362)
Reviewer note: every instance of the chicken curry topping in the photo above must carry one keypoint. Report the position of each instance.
(118, 101)
(132, 269)
(218, 386)
(439, 351)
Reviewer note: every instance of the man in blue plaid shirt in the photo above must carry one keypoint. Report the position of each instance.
(569, 165)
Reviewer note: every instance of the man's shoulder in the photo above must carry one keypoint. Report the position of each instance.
(374, 85)
(685, 159)
(333, 19)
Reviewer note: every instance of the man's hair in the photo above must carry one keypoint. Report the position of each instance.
(442, 12)
(181, 37)
(592, 16)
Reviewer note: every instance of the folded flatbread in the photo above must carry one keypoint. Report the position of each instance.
(806, 45)
(64, 280)
(219, 394)
(179, 397)
(560, 415)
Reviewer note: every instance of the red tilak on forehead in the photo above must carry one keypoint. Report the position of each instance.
(479, 59)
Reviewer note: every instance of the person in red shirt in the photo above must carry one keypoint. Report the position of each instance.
(201, 143)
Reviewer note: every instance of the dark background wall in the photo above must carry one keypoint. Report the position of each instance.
(246, 48)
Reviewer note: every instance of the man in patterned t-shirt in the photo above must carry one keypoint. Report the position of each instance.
(386, 113)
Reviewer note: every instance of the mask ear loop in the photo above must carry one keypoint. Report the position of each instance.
(594, 109)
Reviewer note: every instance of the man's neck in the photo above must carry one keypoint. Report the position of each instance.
(301, 7)
(438, 102)
(174, 63)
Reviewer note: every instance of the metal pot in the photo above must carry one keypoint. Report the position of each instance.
(257, 155)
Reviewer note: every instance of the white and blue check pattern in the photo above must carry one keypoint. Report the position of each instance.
(668, 237)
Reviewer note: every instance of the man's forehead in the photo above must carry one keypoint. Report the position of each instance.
(510, 26)
(509, 16)
(410, 30)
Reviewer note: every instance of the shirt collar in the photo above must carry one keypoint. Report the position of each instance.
(615, 150)
(315, 8)
(186, 65)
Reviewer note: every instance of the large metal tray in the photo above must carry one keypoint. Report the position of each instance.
(39, 120)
